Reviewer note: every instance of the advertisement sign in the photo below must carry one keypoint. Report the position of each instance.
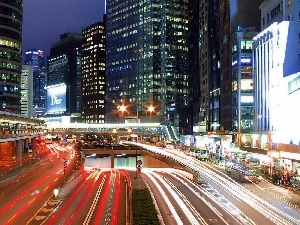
(294, 85)
(56, 98)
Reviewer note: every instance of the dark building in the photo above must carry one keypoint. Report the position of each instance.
(147, 58)
(64, 76)
(190, 117)
(204, 65)
(11, 16)
(36, 59)
(213, 35)
(93, 73)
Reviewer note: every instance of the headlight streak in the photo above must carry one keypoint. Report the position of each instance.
(111, 196)
(188, 203)
(161, 220)
(94, 204)
(248, 197)
(167, 201)
(238, 216)
(180, 202)
(240, 192)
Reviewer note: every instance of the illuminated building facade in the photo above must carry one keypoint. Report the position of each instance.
(242, 82)
(36, 58)
(93, 73)
(11, 15)
(277, 11)
(276, 81)
(147, 58)
(64, 76)
(27, 91)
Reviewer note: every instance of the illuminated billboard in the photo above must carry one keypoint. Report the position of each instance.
(56, 99)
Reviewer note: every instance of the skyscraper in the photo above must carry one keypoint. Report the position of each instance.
(204, 46)
(64, 76)
(190, 116)
(11, 14)
(35, 58)
(235, 17)
(93, 73)
(27, 91)
(147, 58)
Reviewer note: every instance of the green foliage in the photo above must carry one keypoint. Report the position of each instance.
(144, 212)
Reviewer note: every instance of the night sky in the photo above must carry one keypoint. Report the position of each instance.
(45, 20)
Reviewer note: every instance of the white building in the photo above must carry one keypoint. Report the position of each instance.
(278, 10)
(27, 91)
(276, 55)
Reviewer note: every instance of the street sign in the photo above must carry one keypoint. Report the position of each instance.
(139, 162)
(139, 168)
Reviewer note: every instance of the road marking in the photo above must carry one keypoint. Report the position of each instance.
(40, 217)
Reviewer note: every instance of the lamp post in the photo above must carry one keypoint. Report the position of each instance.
(150, 109)
(123, 109)
(55, 192)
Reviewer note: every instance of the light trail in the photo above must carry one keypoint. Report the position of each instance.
(178, 199)
(95, 201)
(227, 184)
(167, 201)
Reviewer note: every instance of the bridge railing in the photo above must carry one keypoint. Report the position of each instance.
(111, 147)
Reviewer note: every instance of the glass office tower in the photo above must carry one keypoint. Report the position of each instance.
(10, 55)
(147, 58)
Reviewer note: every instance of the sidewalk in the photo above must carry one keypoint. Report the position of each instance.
(285, 194)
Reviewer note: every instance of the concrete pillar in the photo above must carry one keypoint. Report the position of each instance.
(112, 160)
(33, 145)
(13, 150)
(26, 146)
(18, 150)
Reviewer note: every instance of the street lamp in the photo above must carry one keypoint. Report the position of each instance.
(150, 109)
(123, 109)
(55, 192)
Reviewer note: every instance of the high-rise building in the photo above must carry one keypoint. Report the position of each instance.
(234, 18)
(93, 73)
(204, 75)
(204, 46)
(35, 58)
(147, 58)
(242, 79)
(190, 116)
(64, 76)
(27, 91)
(224, 76)
(11, 15)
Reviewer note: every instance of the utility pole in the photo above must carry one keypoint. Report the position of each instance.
(65, 167)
